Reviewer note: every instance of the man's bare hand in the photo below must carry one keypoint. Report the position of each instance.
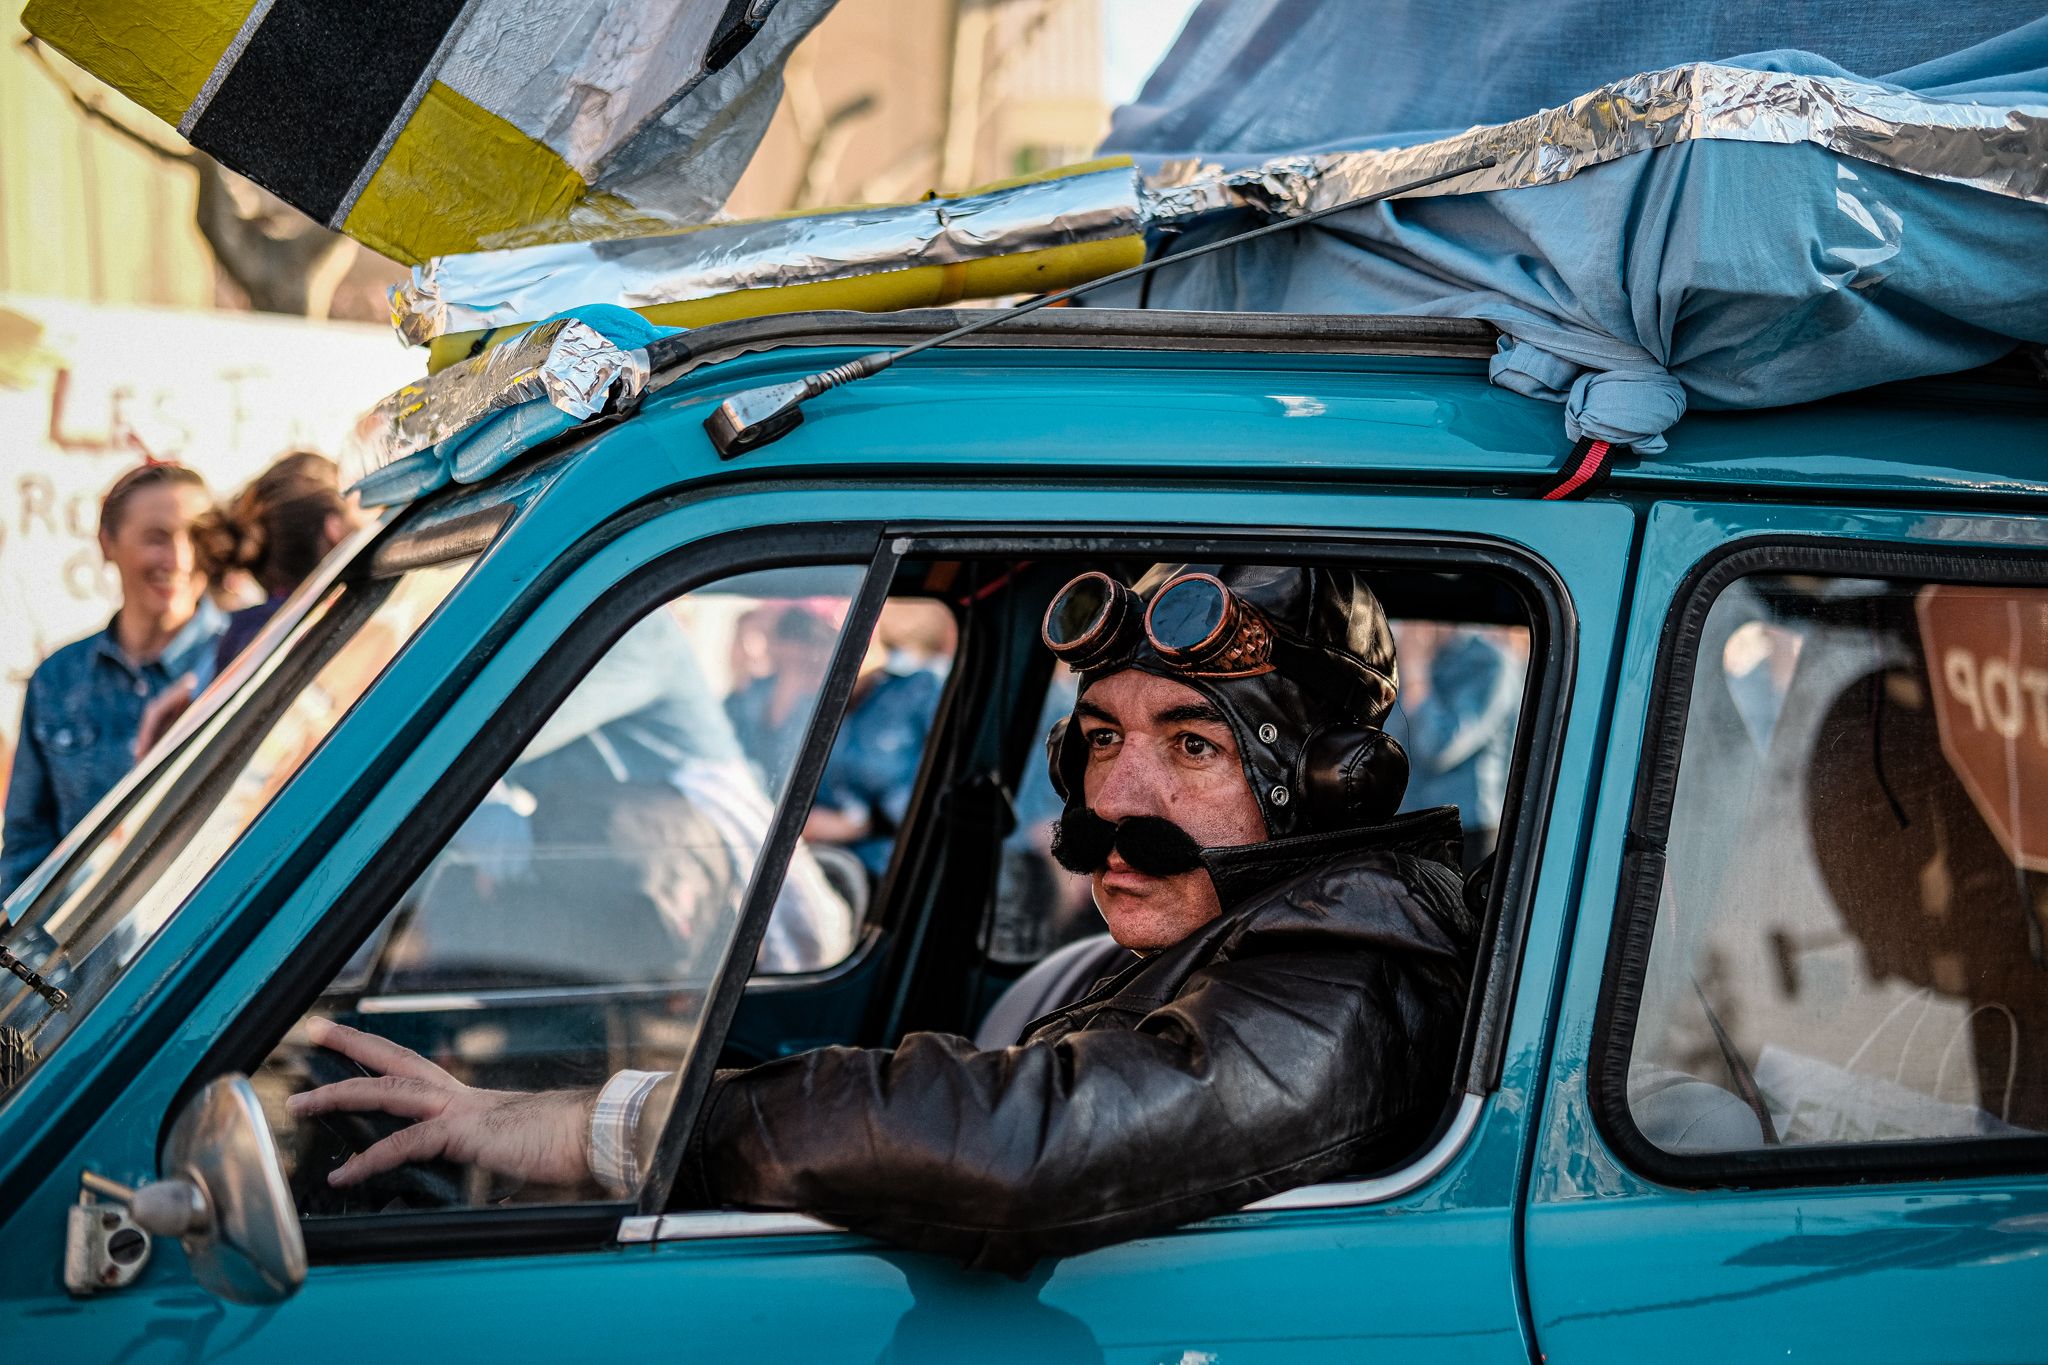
(542, 1137)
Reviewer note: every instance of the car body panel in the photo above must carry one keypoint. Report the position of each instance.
(1455, 1288)
(1895, 1271)
(1090, 441)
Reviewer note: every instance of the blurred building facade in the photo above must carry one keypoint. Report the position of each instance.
(891, 98)
(100, 203)
(85, 213)
(886, 100)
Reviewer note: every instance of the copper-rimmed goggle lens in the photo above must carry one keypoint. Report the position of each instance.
(1091, 620)
(1192, 620)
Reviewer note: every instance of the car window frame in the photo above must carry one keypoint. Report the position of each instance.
(1639, 891)
(1553, 654)
(358, 911)
(1531, 792)
(392, 1237)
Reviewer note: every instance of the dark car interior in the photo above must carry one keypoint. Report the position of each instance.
(967, 903)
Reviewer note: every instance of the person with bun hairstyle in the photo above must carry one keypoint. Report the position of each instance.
(85, 702)
(276, 530)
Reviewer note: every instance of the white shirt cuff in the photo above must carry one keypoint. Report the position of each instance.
(615, 1127)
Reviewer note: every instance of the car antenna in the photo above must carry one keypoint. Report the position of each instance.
(754, 418)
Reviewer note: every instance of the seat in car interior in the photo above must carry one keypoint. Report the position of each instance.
(1063, 976)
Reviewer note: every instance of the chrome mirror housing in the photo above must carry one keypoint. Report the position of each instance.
(223, 1195)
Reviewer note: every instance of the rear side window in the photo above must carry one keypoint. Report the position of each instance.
(1845, 935)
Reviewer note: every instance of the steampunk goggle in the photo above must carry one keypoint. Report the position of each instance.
(1194, 623)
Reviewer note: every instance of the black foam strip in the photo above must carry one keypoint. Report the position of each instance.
(736, 28)
(315, 91)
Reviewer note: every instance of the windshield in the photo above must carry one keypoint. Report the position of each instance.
(120, 888)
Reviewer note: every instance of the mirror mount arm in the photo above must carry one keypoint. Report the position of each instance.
(172, 1207)
(223, 1195)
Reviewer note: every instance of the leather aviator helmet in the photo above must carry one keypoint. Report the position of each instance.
(1300, 662)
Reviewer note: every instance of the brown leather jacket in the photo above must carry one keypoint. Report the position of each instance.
(1307, 1032)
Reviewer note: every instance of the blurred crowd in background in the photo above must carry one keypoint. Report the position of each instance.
(199, 578)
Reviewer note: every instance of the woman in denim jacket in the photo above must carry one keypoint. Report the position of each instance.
(85, 702)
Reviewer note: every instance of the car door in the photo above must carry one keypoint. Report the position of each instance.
(1417, 1263)
(1797, 1101)
(334, 793)
(1412, 1264)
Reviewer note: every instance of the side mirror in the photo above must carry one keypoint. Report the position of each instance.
(223, 1195)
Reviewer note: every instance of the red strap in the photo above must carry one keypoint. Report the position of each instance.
(1588, 460)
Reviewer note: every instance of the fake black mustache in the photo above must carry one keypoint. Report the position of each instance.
(1082, 842)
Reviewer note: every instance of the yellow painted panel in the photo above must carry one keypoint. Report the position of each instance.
(459, 178)
(158, 53)
(924, 286)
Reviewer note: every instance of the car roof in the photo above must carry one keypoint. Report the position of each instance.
(1145, 395)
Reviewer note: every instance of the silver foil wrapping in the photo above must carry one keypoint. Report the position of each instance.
(566, 362)
(494, 288)
(2002, 149)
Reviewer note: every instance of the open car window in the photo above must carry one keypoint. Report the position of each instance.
(576, 923)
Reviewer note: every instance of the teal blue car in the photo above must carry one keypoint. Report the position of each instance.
(561, 773)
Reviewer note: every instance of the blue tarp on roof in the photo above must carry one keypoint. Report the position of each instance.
(1722, 274)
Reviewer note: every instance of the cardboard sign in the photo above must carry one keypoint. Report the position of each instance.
(1987, 655)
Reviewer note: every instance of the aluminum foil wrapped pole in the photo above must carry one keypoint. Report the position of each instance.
(2002, 149)
(1023, 236)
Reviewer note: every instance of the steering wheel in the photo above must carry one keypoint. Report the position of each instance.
(327, 1140)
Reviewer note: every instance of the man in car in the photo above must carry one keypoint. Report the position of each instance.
(1291, 1012)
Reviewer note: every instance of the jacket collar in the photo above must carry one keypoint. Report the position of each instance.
(182, 650)
(1242, 871)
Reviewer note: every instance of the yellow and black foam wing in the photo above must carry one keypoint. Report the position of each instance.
(430, 127)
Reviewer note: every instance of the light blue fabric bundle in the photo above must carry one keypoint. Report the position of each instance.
(1722, 274)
